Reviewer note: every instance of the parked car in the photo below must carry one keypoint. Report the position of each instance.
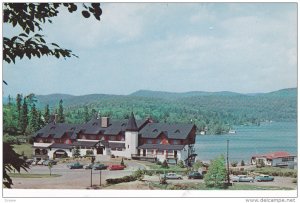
(29, 161)
(40, 162)
(171, 176)
(47, 162)
(195, 175)
(116, 167)
(100, 167)
(88, 166)
(264, 178)
(76, 165)
(242, 178)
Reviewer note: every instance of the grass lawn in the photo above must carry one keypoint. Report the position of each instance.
(25, 147)
(201, 186)
(29, 175)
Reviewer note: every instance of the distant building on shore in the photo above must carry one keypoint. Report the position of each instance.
(275, 159)
(101, 136)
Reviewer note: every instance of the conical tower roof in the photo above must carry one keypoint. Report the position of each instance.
(131, 125)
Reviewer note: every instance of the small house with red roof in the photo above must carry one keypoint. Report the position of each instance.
(275, 159)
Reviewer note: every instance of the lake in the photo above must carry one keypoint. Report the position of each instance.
(249, 140)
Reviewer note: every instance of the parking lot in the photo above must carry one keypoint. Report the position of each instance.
(70, 178)
(81, 178)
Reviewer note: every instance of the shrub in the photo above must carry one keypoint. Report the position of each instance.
(89, 152)
(112, 156)
(122, 162)
(180, 164)
(242, 163)
(165, 164)
(10, 139)
(277, 171)
(158, 162)
(234, 163)
(121, 180)
(138, 175)
(294, 181)
(198, 164)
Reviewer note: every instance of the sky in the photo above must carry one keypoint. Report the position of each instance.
(176, 47)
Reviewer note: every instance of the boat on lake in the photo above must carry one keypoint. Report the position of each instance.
(231, 131)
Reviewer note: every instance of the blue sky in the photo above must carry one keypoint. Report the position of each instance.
(178, 47)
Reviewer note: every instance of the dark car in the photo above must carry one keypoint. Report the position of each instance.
(195, 175)
(99, 167)
(76, 165)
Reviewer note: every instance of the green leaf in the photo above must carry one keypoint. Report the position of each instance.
(86, 14)
(23, 35)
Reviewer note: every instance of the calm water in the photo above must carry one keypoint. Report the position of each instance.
(249, 140)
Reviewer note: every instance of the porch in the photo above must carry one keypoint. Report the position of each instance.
(144, 157)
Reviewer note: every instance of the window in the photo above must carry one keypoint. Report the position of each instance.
(176, 142)
(160, 152)
(112, 138)
(149, 141)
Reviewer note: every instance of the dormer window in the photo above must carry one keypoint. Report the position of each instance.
(73, 128)
(177, 131)
(95, 123)
(155, 130)
(123, 124)
(53, 127)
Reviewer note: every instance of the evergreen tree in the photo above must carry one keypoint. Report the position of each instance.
(86, 114)
(61, 116)
(24, 117)
(34, 125)
(76, 152)
(9, 100)
(41, 122)
(47, 114)
(19, 106)
(216, 174)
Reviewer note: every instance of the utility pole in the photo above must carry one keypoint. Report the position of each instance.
(100, 177)
(228, 179)
(93, 159)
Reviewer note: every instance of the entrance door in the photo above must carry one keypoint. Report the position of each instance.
(139, 152)
(100, 150)
(144, 152)
(175, 153)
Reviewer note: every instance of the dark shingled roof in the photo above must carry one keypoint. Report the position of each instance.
(61, 146)
(92, 127)
(161, 146)
(131, 125)
(85, 143)
(57, 130)
(116, 145)
(172, 131)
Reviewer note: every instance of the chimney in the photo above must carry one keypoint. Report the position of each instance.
(104, 122)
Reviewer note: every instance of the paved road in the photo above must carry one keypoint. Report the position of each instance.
(71, 178)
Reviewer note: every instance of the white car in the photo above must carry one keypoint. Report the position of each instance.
(171, 176)
(242, 178)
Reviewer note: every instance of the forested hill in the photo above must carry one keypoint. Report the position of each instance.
(215, 111)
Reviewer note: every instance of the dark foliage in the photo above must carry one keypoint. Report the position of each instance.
(11, 161)
(30, 17)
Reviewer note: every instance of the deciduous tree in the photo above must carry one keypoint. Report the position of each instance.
(30, 17)
(216, 174)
